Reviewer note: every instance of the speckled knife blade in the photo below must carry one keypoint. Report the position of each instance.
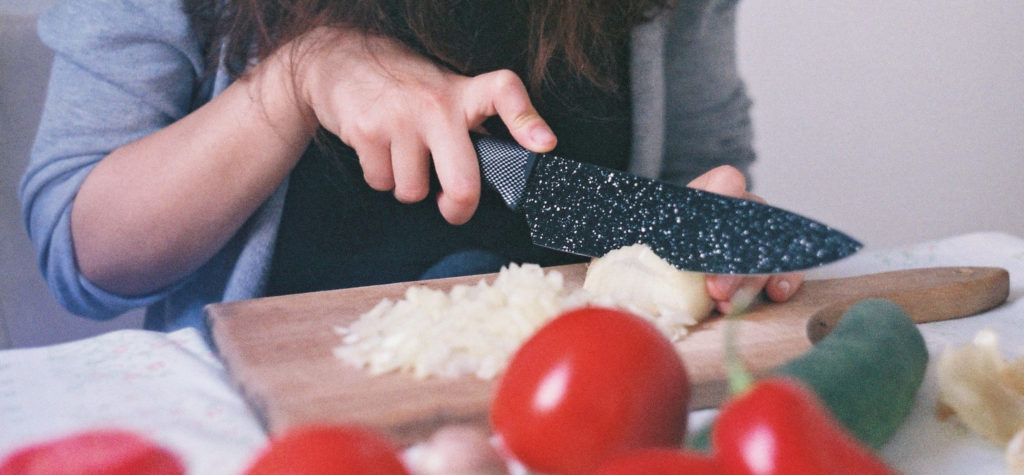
(590, 210)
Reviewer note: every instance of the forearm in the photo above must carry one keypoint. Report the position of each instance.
(156, 209)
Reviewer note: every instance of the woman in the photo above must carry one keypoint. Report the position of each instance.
(200, 151)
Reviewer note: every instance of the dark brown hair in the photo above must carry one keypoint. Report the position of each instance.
(577, 35)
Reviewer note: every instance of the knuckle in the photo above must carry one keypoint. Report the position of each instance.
(428, 98)
(378, 181)
(506, 81)
(435, 99)
(509, 89)
(728, 180)
(735, 175)
(363, 134)
(462, 194)
(378, 177)
(410, 193)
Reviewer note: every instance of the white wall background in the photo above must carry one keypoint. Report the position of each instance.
(895, 121)
(25, 7)
(29, 315)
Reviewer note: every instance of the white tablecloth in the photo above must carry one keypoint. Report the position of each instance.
(169, 387)
(925, 445)
(172, 388)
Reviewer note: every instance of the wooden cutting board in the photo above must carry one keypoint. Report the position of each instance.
(278, 350)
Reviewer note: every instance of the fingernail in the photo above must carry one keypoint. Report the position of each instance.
(784, 286)
(727, 284)
(542, 135)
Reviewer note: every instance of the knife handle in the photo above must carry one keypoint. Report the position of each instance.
(504, 166)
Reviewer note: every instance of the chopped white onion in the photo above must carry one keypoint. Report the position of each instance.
(475, 329)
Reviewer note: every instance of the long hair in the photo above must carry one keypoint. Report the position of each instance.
(577, 35)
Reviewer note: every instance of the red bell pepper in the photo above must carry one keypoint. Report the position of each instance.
(779, 427)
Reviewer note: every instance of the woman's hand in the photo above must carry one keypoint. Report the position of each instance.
(400, 111)
(726, 180)
(156, 209)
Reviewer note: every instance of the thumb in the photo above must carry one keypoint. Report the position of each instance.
(723, 180)
(502, 93)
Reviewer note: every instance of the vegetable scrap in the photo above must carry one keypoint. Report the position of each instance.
(985, 392)
(637, 280)
(456, 450)
(1015, 454)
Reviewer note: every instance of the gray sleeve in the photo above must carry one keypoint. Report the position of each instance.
(123, 69)
(707, 119)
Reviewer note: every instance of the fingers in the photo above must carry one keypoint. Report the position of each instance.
(499, 93)
(724, 180)
(458, 172)
(723, 289)
(781, 287)
(401, 165)
(418, 114)
(375, 160)
(502, 93)
(410, 163)
(778, 288)
(729, 181)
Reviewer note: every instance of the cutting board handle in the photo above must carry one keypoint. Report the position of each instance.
(929, 294)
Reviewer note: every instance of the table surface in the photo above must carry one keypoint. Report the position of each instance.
(172, 388)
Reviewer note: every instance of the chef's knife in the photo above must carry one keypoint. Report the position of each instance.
(590, 210)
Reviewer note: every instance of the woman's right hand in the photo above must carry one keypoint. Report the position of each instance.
(401, 111)
(154, 210)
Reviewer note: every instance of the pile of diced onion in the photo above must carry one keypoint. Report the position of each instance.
(475, 329)
(472, 329)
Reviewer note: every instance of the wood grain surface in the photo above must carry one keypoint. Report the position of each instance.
(278, 350)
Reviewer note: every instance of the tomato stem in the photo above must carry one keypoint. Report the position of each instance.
(740, 378)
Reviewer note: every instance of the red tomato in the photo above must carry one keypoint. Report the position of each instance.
(660, 462)
(106, 451)
(592, 384)
(329, 450)
(779, 427)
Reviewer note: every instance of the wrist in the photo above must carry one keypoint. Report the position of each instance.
(273, 89)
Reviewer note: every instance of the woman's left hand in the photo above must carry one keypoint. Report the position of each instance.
(726, 180)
